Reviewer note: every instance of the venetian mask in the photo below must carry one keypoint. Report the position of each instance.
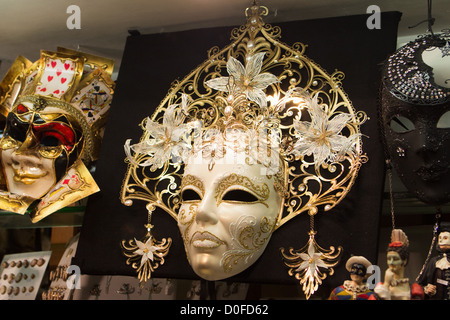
(55, 109)
(416, 118)
(243, 144)
(227, 216)
(38, 146)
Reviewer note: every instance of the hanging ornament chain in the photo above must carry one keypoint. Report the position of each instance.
(433, 241)
(391, 195)
(436, 225)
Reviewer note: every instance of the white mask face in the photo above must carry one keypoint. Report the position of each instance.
(444, 238)
(28, 173)
(227, 216)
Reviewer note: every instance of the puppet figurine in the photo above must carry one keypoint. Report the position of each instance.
(355, 288)
(436, 275)
(395, 285)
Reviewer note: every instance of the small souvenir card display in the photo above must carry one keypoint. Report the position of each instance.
(21, 275)
(63, 278)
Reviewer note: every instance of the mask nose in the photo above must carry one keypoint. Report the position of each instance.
(29, 146)
(207, 210)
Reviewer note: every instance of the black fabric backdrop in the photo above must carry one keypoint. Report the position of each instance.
(151, 62)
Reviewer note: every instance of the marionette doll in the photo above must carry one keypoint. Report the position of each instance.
(355, 288)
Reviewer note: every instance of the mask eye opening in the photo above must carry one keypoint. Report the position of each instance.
(401, 124)
(239, 195)
(444, 121)
(189, 194)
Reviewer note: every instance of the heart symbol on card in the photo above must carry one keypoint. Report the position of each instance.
(58, 73)
(66, 65)
(53, 64)
(63, 80)
(50, 78)
(56, 91)
(43, 89)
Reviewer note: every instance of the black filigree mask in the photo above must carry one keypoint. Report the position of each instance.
(416, 121)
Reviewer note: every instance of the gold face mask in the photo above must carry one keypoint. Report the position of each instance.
(37, 149)
(56, 108)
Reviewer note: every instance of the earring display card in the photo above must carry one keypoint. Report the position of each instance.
(21, 275)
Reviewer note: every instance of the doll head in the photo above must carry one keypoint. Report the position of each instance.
(398, 251)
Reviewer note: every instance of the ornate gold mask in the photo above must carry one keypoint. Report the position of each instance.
(257, 116)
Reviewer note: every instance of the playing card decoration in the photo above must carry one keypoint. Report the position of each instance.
(54, 113)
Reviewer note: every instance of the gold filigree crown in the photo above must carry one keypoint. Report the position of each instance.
(77, 83)
(262, 97)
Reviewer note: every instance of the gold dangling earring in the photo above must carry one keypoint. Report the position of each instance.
(311, 264)
(147, 254)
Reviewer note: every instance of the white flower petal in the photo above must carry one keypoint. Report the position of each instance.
(321, 263)
(336, 124)
(311, 250)
(254, 64)
(219, 84)
(150, 254)
(235, 68)
(170, 116)
(177, 133)
(147, 146)
(140, 244)
(185, 101)
(155, 129)
(258, 96)
(263, 80)
(301, 127)
(321, 154)
(139, 252)
(303, 265)
(302, 148)
(144, 259)
(127, 149)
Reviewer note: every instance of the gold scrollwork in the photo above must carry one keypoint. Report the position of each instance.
(248, 238)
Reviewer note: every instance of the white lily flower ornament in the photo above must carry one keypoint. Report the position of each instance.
(247, 79)
(321, 136)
